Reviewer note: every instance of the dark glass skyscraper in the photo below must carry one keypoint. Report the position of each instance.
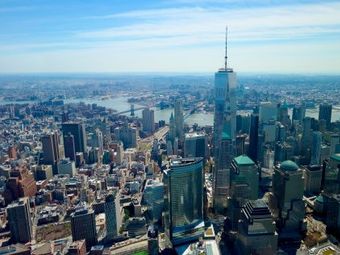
(69, 147)
(224, 133)
(50, 145)
(325, 113)
(19, 221)
(79, 134)
(184, 199)
(83, 226)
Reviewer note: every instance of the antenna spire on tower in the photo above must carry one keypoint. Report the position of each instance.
(226, 49)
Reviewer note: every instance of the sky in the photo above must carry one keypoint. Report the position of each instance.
(269, 36)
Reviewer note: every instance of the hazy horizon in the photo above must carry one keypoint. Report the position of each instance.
(180, 36)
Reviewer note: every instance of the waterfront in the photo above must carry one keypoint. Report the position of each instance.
(121, 104)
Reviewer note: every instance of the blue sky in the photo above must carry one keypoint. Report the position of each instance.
(169, 36)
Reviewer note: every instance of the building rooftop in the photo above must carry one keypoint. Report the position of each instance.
(184, 161)
(289, 166)
(194, 135)
(244, 160)
(256, 209)
(336, 157)
(14, 249)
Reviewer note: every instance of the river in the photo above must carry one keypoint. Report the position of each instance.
(121, 104)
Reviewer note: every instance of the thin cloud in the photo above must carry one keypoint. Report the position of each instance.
(267, 23)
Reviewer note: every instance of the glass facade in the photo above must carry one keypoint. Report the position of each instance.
(224, 133)
(184, 187)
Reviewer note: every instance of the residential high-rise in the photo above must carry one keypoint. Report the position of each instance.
(148, 120)
(179, 120)
(112, 215)
(224, 133)
(256, 230)
(79, 134)
(325, 113)
(184, 199)
(83, 226)
(19, 221)
(288, 189)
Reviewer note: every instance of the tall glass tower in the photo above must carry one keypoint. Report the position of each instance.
(184, 199)
(179, 120)
(224, 132)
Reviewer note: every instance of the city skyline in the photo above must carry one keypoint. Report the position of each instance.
(183, 35)
(92, 162)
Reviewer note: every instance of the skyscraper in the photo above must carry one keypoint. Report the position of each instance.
(96, 140)
(257, 233)
(184, 199)
(306, 140)
(268, 112)
(299, 112)
(112, 215)
(283, 115)
(50, 146)
(153, 198)
(179, 120)
(69, 147)
(335, 144)
(291, 207)
(126, 134)
(253, 136)
(148, 120)
(331, 182)
(325, 113)
(79, 134)
(316, 148)
(224, 133)
(172, 128)
(244, 185)
(83, 226)
(19, 221)
(195, 145)
(312, 179)
(244, 178)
